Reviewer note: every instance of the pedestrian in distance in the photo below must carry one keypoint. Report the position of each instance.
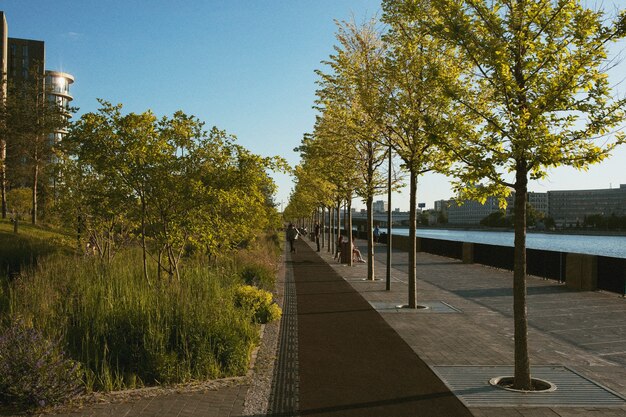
(317, 230)
(292, 236)
(376, 234)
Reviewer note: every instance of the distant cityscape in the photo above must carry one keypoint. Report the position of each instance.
(568, 208)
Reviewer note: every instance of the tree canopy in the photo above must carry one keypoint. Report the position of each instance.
(167, 181)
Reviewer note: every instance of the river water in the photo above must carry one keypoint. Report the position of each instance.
(614, 246)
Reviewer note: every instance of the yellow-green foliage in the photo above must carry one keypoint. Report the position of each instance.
(258, 303)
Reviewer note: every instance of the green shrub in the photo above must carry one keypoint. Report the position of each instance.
(258, 275)
(258, 303)
(34, 371)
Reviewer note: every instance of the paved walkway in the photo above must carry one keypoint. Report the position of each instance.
(469, 328)
(351, 362)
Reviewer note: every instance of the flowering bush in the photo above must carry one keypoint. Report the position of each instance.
(34, 371)
(258, 302)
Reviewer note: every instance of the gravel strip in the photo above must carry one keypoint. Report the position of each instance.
(257, 398)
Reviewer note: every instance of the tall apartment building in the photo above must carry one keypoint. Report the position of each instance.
(23, 61)
(24, 58)
(20, 59)
(4, 40)
(57, 87)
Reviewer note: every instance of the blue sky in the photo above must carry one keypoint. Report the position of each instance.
(244, 66)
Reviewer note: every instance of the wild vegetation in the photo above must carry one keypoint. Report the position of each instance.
(156, 268)
(107, 328)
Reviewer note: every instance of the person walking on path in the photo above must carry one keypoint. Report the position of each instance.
(316, 230)
(376, 234)
(292, 236)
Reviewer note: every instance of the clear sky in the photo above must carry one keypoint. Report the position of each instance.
(244, 66)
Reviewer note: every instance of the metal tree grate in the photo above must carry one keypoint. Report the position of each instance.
(471, 385)
(427, 307)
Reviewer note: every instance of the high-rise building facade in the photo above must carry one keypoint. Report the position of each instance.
(23, 59)
(4, 42)
(22, 71)
(57, 88)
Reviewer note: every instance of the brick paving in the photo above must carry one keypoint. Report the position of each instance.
(585, 331)
(284, 393)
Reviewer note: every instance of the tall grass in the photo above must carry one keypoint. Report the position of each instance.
(125, 331)
(259, 266)
(31, 243)
(129, 333)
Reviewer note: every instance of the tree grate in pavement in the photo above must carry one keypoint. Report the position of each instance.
(430, 307)
(471, 385)
(284, 395)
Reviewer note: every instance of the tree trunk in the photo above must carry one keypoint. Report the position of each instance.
(331, 247)
(412, 241)
(520, 316)
(370, 238)
(159, 262)
(389, 221)
(322, 224)
(349, 230)
(338, 223)
(3, 176)
(34, 200)
(143, 239)
(331, 230)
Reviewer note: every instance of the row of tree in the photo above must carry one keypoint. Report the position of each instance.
(492, 93)
(612, 222)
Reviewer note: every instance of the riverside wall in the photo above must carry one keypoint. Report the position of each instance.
(577, 271)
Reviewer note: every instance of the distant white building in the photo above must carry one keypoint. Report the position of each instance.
(567, 208)
(471, 212)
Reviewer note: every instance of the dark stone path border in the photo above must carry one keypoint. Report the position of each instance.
(284, 395)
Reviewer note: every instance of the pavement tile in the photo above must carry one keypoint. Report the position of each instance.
(581, 330)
